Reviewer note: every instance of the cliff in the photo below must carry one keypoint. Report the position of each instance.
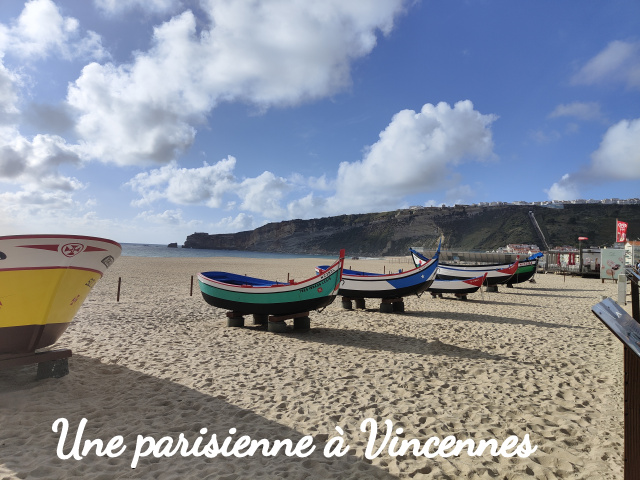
(463, 227)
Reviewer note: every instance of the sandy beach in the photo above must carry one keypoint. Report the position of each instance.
(531, 360)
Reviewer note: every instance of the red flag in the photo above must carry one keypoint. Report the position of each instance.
(621, 231)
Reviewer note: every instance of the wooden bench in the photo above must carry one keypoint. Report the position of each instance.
(627, 329)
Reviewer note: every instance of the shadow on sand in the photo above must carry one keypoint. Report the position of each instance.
(483, 318)
(119, 401)
(392, 343)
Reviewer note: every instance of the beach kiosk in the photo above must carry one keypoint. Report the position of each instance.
(627, 328)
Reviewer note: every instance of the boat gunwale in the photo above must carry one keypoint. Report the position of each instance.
(47, 235)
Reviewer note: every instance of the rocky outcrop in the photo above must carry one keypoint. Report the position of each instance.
(462, 227)
(173, 245)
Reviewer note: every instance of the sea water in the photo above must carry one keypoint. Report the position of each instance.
(152, 250)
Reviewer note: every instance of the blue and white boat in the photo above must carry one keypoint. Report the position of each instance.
(358, 284)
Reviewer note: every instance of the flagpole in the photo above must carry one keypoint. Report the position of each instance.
(580, 252)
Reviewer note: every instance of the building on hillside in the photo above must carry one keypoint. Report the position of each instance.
(519, 249)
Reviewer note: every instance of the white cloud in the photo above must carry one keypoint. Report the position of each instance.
(41, 29)
(35, 201)
(240, 223)
(208, 185)
(116, 7)
(619, 62)
(168, 217)
(280, 52)
(263, 194)
(414, 154)
(618, 156)
(307, 207)
(8, 95)
(205, 185)
(35, 163)
(565, 189)
(579, 110)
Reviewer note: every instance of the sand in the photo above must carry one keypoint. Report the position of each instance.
(531, 360)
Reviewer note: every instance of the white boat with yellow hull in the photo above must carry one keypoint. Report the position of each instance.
(43, 281)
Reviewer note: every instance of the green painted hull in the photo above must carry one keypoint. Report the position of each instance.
(525, 271)
(282, 299)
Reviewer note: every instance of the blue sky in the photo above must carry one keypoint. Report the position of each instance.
(147, 120)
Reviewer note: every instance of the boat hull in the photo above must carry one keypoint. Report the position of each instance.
(458, 287)
(496, 274)
(396, 285)
(44, 279)
(272, 299)
(526, 270)
(277, 309)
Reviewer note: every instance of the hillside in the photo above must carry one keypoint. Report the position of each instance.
(463, 227)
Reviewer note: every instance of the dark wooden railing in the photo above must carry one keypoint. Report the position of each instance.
(627, 328)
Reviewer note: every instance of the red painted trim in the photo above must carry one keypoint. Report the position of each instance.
(52, 248)
(94, 249)
(74, 237)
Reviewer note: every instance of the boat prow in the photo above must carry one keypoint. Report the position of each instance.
(43, 281)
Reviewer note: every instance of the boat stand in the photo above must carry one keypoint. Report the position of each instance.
(459, 296)
(51, 363)
(301, 322)
(387, 305)
(391, 305)
(275, 323)
(346, 303)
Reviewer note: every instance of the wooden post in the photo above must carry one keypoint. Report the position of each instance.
(627, 329)
(119, 282)
(632, 397)
(635, 299)
(191, 291)
(631, 415)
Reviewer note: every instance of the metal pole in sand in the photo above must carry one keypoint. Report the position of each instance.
(119, 282)
(191, 290)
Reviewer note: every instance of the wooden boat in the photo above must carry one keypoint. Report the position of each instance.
(358, 284)
(457, 287)
(43, 281)
(526, 269)
(496, 273)
(249, 295)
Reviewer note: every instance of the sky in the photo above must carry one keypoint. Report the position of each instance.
(144, 121)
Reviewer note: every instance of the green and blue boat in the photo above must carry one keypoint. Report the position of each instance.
(249, 295)
(526, 269)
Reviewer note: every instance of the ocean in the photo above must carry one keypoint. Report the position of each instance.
(151, 250)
